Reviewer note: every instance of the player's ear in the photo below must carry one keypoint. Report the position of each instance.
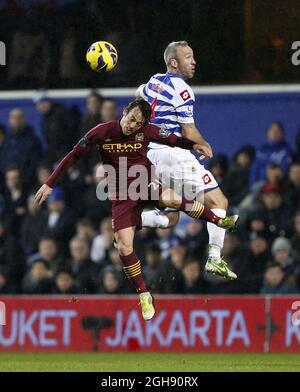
(125, 112)
(174, 63)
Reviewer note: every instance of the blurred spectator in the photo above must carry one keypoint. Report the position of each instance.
(278, 218)
(2, 136)
(236, 182)
(109, 110)
(281, 250)
(196, 238)
(15, 198)
(165, 240)
(12, 259)
(58, 220)
(73, 185)
(143, 238)
(192, 282)
(49, 251)
(85, 229)
(85, 271)
(295, 240)
(92, 117)
(172, 269)
(43, 172)
(232, 251)
(94, 209)
(5, 286)
(38, 279)
(274, 175)
(102, 242)
(292, 187)
(274, 281)
(255, 223)
(152, 269)
(21, 147)
(64, 283)
(59, 127)
(114, 259)
(32, 227)
(111, 281)
(253, 264)
(275, 150)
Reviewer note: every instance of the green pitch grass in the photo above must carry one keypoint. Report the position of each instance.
(148, 362)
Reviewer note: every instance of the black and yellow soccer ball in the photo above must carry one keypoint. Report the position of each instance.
(102, 56)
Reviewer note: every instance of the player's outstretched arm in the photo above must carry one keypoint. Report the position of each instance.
(164, 137)
(191, 132)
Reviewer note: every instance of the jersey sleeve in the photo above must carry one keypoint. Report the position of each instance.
(183, 102)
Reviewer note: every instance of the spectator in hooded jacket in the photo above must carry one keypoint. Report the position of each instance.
(275, 150)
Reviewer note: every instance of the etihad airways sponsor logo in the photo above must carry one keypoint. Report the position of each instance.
(121, 147)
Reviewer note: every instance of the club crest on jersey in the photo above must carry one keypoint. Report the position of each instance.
(185, 95)
(189, 111)
(139, 137)
(164, 132)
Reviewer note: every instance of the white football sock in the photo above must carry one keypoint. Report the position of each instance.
(154, 219)
(216, 235)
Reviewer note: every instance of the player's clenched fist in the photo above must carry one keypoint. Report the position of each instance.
(42, 194)
(204, 150)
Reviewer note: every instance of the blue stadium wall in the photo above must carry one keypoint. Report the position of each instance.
(227, 120)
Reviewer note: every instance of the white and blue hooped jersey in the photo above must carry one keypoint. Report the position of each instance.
(172, 101)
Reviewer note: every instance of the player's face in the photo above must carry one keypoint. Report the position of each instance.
(185, 61)
(132, 121)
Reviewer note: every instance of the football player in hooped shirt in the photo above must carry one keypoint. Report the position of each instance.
(129, 138)
(172, 100)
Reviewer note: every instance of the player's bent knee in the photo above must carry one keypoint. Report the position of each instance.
(124, 248)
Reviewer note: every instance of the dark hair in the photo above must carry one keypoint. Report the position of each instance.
(144, 107)
(273, 264)
(94, 94)
(13, 167)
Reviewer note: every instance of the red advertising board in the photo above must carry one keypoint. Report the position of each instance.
(111, 323)
(284, 334)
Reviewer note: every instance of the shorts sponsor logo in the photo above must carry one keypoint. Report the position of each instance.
(206, 179)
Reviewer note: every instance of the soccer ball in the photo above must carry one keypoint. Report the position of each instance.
(101, 56)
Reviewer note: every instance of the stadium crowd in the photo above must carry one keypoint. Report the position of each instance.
(65, 246)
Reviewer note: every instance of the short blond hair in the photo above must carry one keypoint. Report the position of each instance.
(171, 51)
